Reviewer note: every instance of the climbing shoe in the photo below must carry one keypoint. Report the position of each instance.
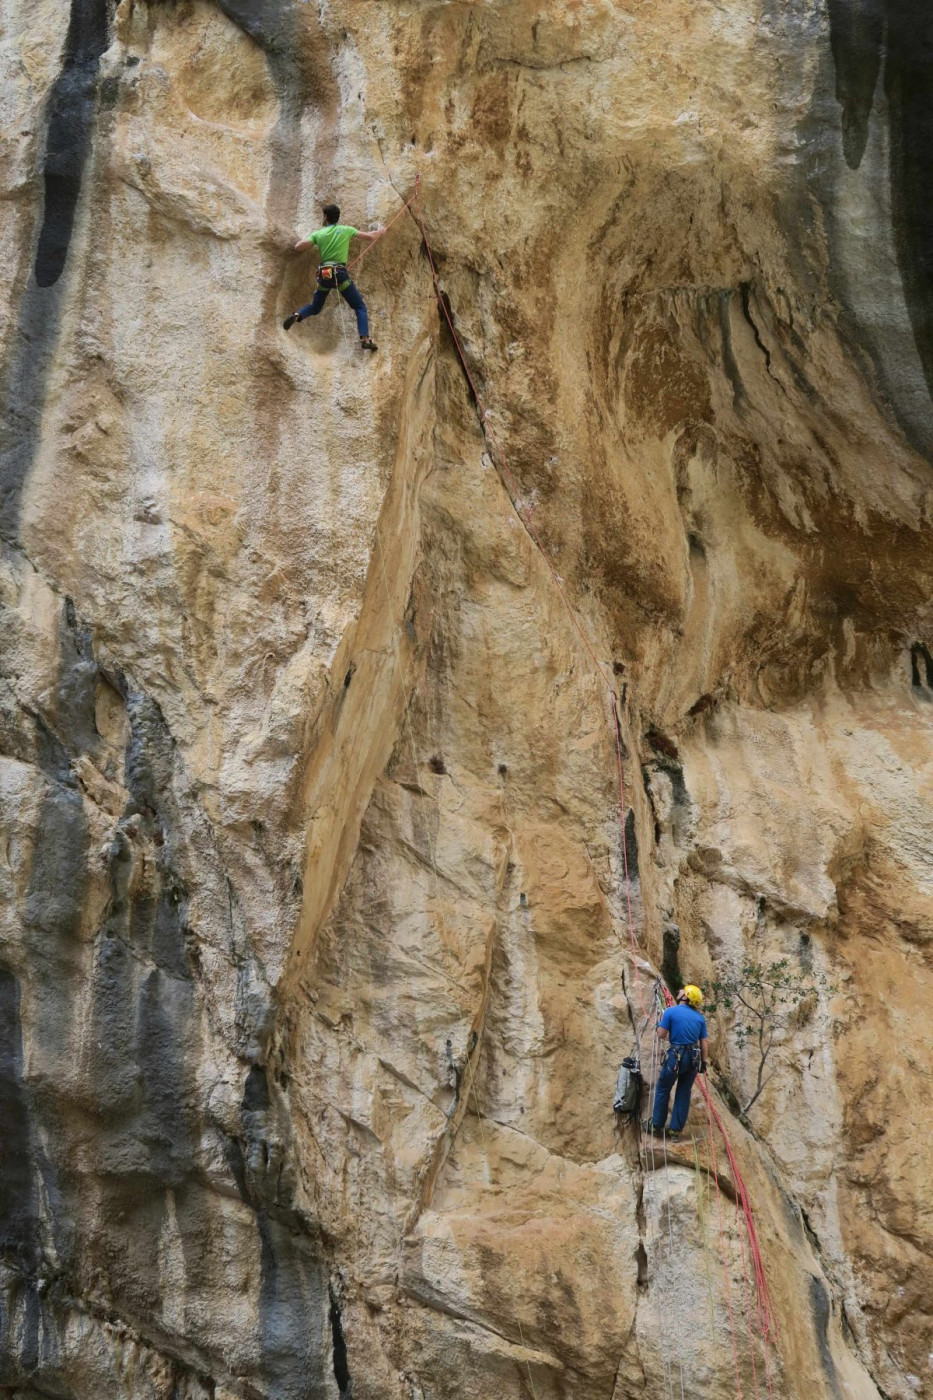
(290, 321)
(367, 343)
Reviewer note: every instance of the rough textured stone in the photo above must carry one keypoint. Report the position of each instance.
(316, 957)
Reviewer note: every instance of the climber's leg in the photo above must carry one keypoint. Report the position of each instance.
(352, 297)
(662, 1094)
(313, 307)
(688, 1073)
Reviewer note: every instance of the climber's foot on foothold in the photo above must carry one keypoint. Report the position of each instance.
(367, 343)
(290, 321)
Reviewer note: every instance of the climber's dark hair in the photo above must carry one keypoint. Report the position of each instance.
(331, 214)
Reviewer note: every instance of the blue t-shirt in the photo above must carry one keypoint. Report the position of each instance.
(684, 1025)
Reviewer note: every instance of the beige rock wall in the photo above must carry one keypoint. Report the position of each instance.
(315, 953)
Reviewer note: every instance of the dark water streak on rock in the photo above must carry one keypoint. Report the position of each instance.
(19, 1229)
(294, 1296)
(70, 118)
(896, 36)
(70, 125)
(138, 1086)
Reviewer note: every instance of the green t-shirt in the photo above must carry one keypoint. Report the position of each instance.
(333, 242)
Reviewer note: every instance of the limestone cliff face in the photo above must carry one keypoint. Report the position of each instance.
(315, 961)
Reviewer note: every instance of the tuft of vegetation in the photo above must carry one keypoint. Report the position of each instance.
(768, 997)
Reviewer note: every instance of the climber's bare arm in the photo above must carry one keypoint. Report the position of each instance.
(662, 1033)
(376, 233)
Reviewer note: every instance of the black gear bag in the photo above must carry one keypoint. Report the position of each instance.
(627, 1099)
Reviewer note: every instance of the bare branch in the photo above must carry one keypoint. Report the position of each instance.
(760, 1090)
(765, 996)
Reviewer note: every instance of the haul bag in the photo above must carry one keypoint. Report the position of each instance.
(628, 1087)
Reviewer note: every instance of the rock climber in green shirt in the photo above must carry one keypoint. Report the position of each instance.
(333, 244)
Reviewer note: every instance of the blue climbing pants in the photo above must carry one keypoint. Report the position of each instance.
(350, 295)
(680, 1069)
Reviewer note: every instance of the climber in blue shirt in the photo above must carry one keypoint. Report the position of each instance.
(684, 1026)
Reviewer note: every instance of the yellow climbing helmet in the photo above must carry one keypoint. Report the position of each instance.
(694, 996)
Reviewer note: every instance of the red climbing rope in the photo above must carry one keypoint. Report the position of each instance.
(766, 1319)
(765, 1312)
(524, 514)
(521, 509)
(373, 241)
(722, 1247)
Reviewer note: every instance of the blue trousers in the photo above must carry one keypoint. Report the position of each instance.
(682, 1074)
(350, 295)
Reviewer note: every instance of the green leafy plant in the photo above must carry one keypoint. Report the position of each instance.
(767, 997)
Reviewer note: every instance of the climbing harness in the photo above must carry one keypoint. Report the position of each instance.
(677, 1053)
(333, 275)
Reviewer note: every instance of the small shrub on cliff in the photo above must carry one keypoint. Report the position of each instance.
(769, 999)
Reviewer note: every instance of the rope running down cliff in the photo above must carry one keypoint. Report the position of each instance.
(524, 516)
(765, 1313)
(764, 1307)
